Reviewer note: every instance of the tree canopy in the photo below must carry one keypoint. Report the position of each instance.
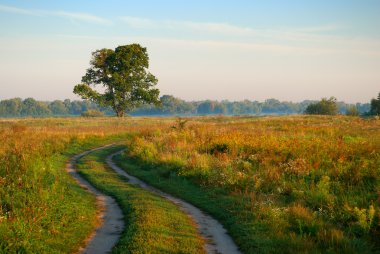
(124, 75)
(323, 107)
(352, 111)
(170, 105)
(375, 106)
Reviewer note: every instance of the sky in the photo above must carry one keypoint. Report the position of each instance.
(290, 50)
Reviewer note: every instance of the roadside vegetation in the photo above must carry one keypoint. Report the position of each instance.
(153, 224)
(42, 209)
(282, 184)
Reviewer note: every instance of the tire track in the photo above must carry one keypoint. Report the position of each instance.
(217, 239)
(110, 215)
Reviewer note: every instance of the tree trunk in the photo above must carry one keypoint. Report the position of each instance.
(120, 113)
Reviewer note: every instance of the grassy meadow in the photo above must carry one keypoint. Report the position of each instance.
(295, 184)
(279, 184)
(42, 209)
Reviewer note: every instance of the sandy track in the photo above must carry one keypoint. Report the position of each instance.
(217, 239)
(109, 213)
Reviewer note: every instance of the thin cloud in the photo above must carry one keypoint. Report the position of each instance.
(11, 9)
(214, 27)
(363, 47)
(81, 37)
(323, 28)
(84, 17)
(145, 23)
(312, 34)
(140, 23)
(220, 27)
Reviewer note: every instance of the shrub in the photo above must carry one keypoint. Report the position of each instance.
(92, 113)
(324, 107)
(180, 123)
(219, 148)
(364, 217)
(352, 111)
(302, 220)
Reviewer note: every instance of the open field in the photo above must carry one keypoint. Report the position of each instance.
(43, 210)
(278, 184)
(281, 184)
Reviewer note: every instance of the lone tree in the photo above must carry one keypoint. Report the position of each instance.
(323, 107)
(124, 75)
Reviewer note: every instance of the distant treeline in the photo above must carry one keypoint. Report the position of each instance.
(170, 106)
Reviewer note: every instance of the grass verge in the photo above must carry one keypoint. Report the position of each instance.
(42, 209)
(246, 228)
(154, 225)
(214, 202)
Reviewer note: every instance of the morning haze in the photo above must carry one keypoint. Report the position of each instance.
(197, 127)
(205, 50)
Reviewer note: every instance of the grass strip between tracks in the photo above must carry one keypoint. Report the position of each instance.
(153, 224)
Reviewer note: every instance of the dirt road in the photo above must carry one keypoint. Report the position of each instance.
(217, 239)
(109, 214)
(108, 232)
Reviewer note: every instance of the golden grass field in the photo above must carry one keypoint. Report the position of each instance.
(278, 184)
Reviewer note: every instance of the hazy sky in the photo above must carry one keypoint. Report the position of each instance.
(199, 49)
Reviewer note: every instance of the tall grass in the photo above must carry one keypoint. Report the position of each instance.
(43, 210)
(282, 184)
(292, 184)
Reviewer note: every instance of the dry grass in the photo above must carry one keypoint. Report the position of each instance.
(42, 210)
(289, 184)
(311, 177)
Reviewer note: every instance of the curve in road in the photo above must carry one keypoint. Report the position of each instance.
(217, 239)
(110, 215)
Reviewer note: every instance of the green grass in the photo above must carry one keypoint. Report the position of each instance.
(279, 184)
(296, 184)
(153, 224)
(214, 201)
(248, 229)
(42, 208)
(53, 216)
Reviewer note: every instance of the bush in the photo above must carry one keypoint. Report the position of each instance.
(219, 148)
(92, 113)
(324, 107)
(352, 111)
